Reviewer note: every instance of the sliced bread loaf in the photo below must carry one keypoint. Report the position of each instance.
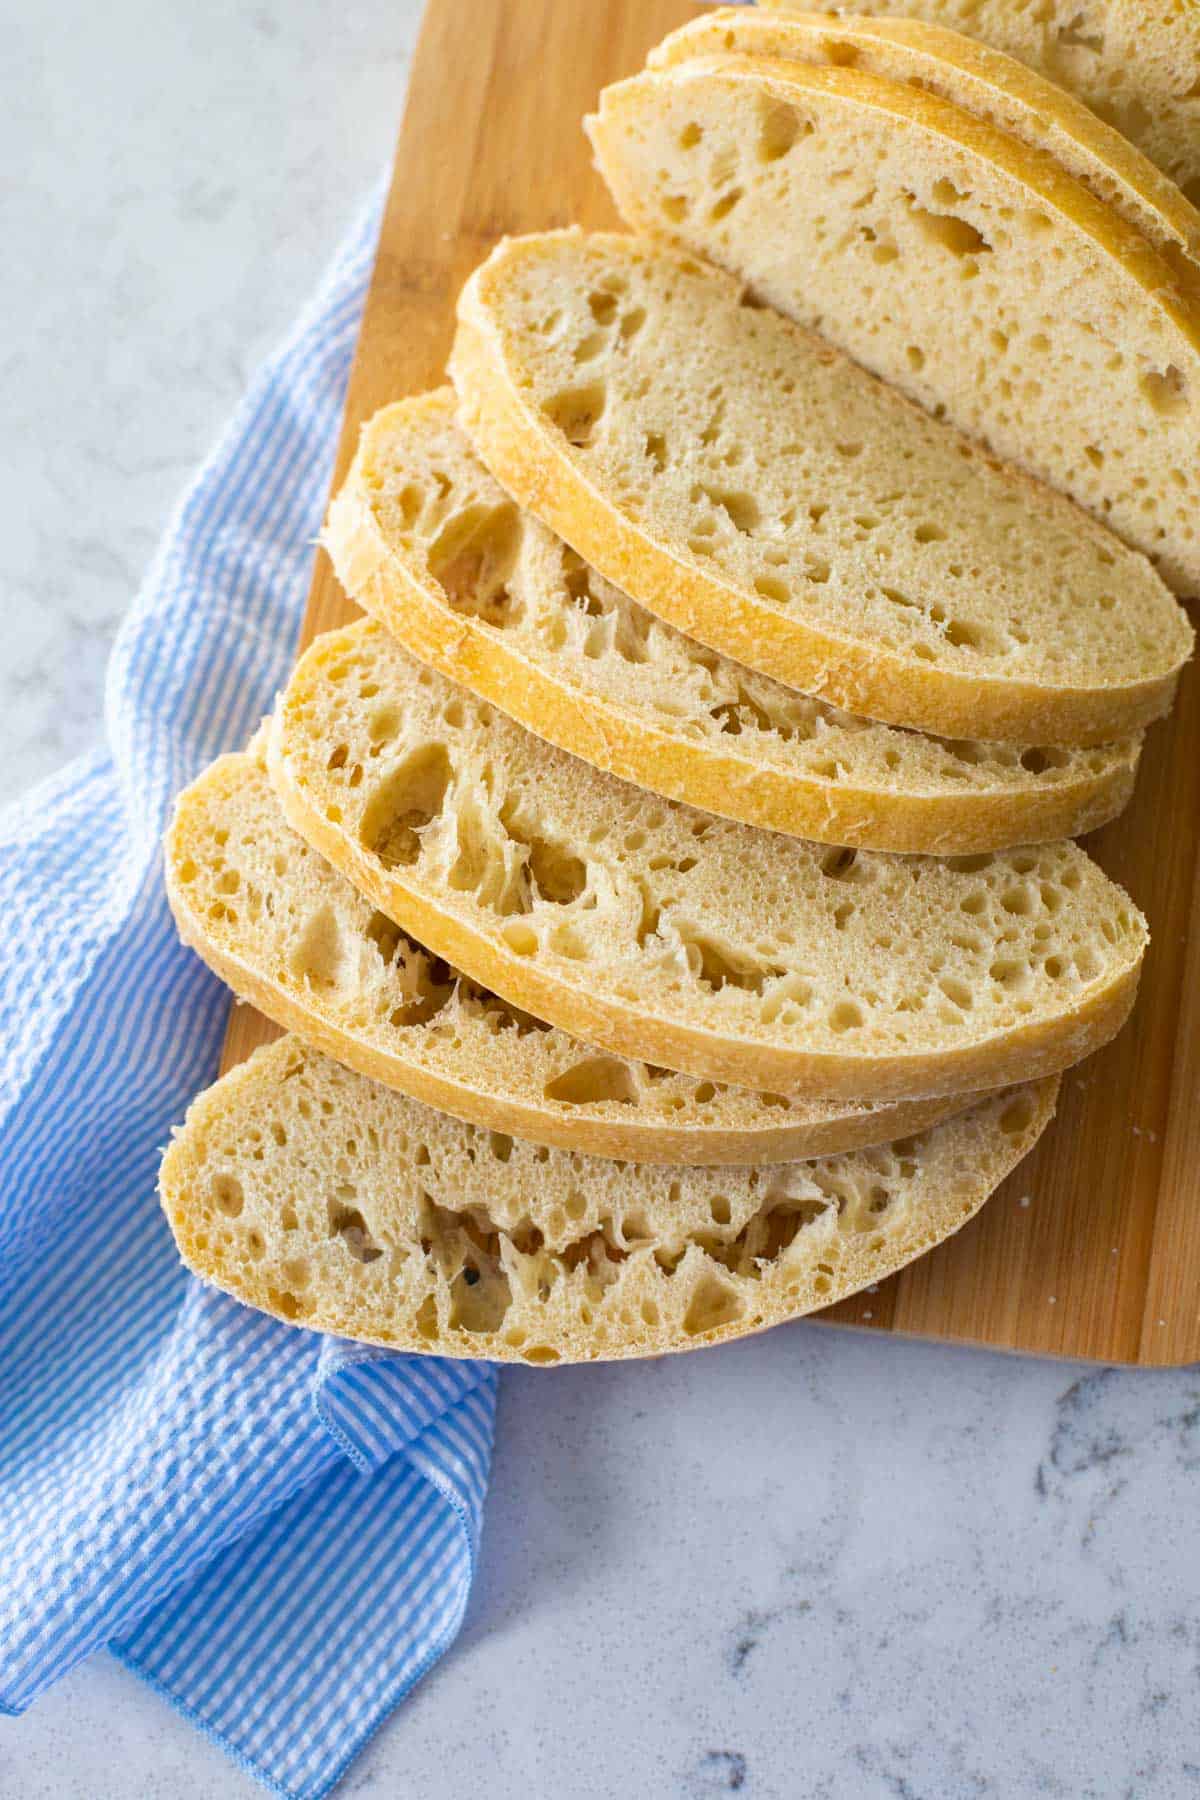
(1135, 62)
(427, 541)
(291, 935)
(313, 1193)
(983, 81)
(966, 267)
(662, 932)
(756, 489)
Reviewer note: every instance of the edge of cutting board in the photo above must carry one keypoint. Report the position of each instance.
(1091, 1250)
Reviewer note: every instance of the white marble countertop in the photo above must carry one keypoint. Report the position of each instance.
(811, 1564)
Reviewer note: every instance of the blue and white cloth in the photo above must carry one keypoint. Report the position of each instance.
(277, 1530)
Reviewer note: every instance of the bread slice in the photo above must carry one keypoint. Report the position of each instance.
(427, 541)
(690, 941)
(957, 262)
(983, 81)
(318, 1196)
(291, 935)
(754, 488)
(1135, 65)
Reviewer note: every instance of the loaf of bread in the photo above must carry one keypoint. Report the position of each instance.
(291, 935)
(1134, 62)
(427, 541)
(980, 79)
(690, 941)
(961, 264)
(763, 494)
(307, 1190)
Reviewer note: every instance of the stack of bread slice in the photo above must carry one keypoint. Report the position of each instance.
(668, 887)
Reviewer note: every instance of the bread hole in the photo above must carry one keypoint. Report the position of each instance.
(228, 1195)
(284, 1303)
(779, 127)
(741, 508)
(383, 723)
(588, 348)
(465, 1246)
(632, 321)
(1165, 391)
(409, 502)
(521, 939)
(577, 411)
(500, 1145)
(426, 1320)
(481, 865)
(1073, 35)
(768, 587)
(346, 1222)
(1008, 973)
(473, 556)
(540, 1353)
(319, 955)
(771, 1231)
(718, 966)
(337, 757)
(845, 1016)
(602, 305)
(1017, 900)
(296, 1272)
(721, 208)
(957, 992)
(594, 1082)
(840, 864)
(406, 801)
(915, 357)
(720, 1209)
(1017, 1116)
(713, 1303)
(953, 233)
(556, 872)
(675, 207)
(928, 533)
(963, 635)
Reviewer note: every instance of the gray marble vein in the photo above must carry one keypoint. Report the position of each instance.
(813, 1566)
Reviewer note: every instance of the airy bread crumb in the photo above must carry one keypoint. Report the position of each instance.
(310, 1192)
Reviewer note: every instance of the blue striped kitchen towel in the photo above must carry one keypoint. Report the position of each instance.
(277, 1530)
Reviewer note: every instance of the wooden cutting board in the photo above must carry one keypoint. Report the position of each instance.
(1092, 1249)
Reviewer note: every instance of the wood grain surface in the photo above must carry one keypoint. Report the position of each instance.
(1092, 1249)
